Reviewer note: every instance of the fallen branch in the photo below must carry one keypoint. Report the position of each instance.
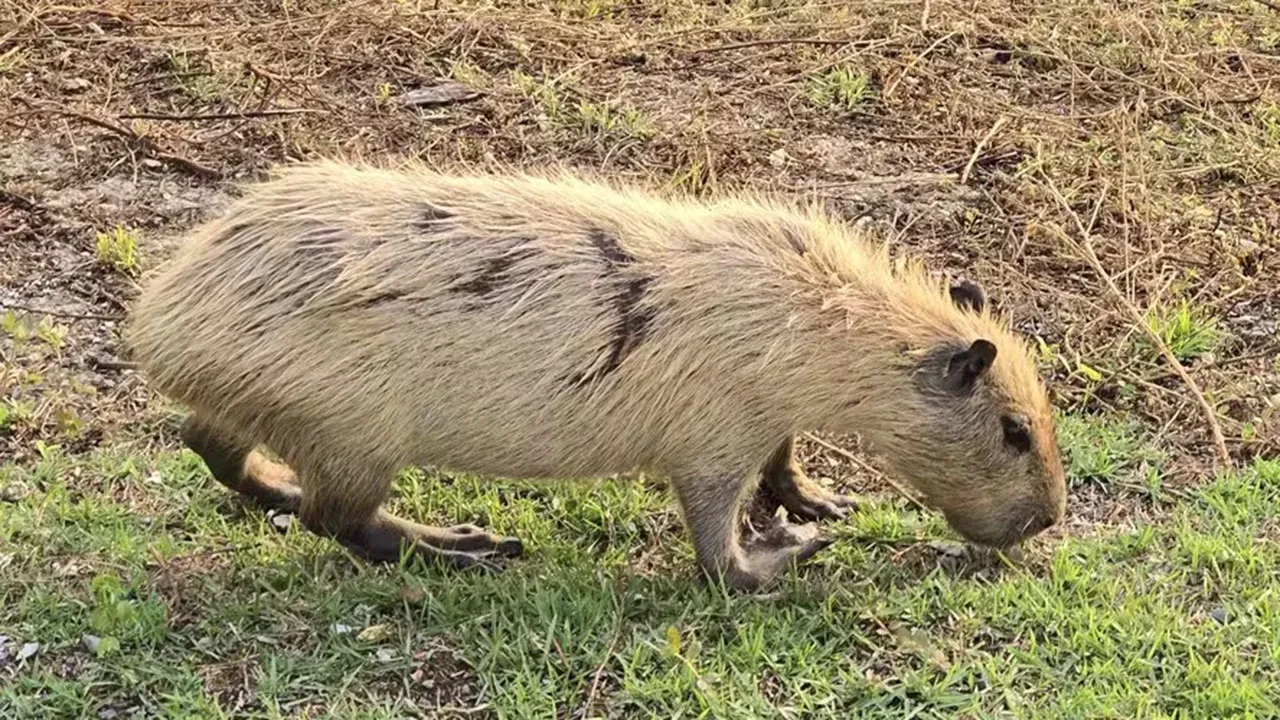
(977, 150)
(1085, 249)
(104, 363)
(145, 144)
(863, 464)
(60, 313)
(220, 116)
(774, 41)
(608, 653)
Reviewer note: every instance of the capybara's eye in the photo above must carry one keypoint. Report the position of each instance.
(1016, 433)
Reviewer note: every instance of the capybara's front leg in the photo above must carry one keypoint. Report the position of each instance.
(711, 508)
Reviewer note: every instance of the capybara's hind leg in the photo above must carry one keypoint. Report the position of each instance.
(233, 462)
(786, 485)
(349, 511)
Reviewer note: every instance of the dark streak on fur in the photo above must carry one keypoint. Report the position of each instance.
(381, 298)
(608, 246)
(232, 232)
(796, 240)
(634, 320)
(431, 218)
(495, 272)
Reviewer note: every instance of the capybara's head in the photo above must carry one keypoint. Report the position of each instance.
(977, 435)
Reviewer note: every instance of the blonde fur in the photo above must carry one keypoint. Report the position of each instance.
(359, 320)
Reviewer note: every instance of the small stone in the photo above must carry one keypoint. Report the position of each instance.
(1219, 615)
(28, 650)
(385, 654)
(445, 92)
(954, 550)
(75, 84)
(410, 594)
(280, 521)
(155, 479)
(91, 643)
(340, 629)
(374, 633)
(13, 492)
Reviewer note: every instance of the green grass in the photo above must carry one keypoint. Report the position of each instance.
(562, 108)
(117, 249)
(1108, 451)
(840, 88)
(1188, 331)
(198, 608)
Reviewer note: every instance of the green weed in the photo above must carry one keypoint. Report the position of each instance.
(117, 248)
(1104, 450)
(1188, 331)
(840, 88)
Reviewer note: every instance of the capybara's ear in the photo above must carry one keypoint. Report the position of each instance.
(966, 366)
(968, 296)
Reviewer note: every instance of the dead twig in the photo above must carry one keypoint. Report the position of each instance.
(865, 466)
(893, 85)
(977, 150)
(18, 201)
(1084, 248)
(774, 41)
(220, 116)
(143, 143)
(104, 363)
(608, 653)
(60, 313)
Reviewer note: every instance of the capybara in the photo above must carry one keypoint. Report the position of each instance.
(358, 320)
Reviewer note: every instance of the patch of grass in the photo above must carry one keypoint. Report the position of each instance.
(1269, 117)
(195, 76)
(840, 88)
(695, 178)
(117, 249)
(20, 331)
(586, 9)
(583, 116)
(469, 74)
(195, 605)
(11, 60)
(1106, 450)
(1189, 331)
(606, 119)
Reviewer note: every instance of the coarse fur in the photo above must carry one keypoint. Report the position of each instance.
(359, 320)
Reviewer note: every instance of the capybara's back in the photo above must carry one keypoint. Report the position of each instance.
(359, 320)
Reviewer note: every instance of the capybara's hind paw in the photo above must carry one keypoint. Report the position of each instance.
(805, 499)
(486, 560)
